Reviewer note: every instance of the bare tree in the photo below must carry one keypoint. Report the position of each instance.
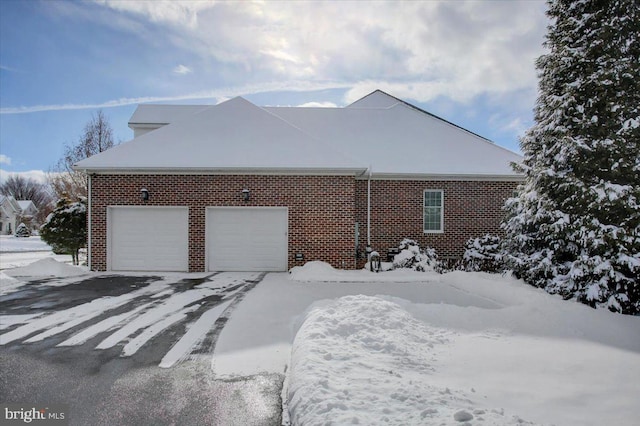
(22, 188)
(97, 137)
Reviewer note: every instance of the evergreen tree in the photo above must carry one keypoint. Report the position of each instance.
(22, 231)
(66, 227)
(574, 229)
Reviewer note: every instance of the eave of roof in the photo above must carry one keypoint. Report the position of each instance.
(275, 171)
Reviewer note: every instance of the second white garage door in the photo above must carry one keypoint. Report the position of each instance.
(148, 238)
(247, 238)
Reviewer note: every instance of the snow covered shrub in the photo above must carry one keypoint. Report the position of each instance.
(483, 254)
(412, 257)
(23, 231)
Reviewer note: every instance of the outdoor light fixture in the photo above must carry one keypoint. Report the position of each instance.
(144, 194)
(246, 194)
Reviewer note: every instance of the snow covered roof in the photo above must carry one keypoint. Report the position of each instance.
(10, 204)
(394, 138)
(25, 205)
(150, 114)
(233, 136)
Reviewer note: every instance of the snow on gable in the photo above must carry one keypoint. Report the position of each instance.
(233, 135)
(375, 99)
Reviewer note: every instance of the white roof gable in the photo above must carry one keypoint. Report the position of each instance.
(234, 135)
(394, 138)
(27, 205)
(376, 99)
(10, 204)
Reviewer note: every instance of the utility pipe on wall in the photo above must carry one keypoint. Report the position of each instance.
(89, 222)
(369, 209)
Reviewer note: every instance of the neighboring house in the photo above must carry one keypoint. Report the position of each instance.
(10, 214)
(28, 208)
(235, 186)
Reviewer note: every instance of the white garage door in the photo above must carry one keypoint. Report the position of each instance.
(247, 238)
(148, 239)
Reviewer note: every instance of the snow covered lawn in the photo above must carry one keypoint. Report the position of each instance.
(423, 348)
(17, 252)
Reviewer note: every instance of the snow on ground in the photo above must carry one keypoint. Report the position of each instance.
(399, 347)
(31, 257)
(454, 348)
(9, 244)
(47, 267)
(23, 258)
(16, 252)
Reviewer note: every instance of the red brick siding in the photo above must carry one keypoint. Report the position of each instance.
(471, 209)
(321, 209)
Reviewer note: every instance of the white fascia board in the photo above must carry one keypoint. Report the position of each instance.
(230, 171)
(444, 177)
(133, 125)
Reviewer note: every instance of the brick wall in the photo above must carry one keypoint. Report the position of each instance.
(471, 209)
(321, 209)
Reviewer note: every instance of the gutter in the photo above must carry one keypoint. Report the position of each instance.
(369, 211)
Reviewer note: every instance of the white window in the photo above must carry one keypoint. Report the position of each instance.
(433, 211)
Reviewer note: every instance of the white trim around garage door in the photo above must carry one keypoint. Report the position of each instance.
(247, 238)
(147, 238)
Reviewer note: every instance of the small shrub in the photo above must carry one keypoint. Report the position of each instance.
(483, 254)
(22, 231)
(412, 257)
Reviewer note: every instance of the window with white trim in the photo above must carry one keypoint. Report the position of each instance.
(433, 209)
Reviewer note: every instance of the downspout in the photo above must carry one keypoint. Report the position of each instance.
(89, 221)
(369, 212)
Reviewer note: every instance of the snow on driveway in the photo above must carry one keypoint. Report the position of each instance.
(148, 312)
(449, 349)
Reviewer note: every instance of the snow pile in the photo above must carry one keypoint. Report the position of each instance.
(318, 271)
(47, 267)
(365, 360)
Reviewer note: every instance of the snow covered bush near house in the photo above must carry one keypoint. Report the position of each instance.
(22, 231)
(483, 254)
(412, 257)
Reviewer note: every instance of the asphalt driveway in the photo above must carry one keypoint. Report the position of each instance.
(129, 350)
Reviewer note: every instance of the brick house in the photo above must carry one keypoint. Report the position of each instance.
(235, 186)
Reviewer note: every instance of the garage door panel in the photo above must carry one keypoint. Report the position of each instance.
(148, 238)
(247, 239)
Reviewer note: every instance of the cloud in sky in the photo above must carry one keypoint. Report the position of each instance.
(182, 70)
(456, 49)
(37, 175)
(318, 105)
(5, 160)
(414, 50)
